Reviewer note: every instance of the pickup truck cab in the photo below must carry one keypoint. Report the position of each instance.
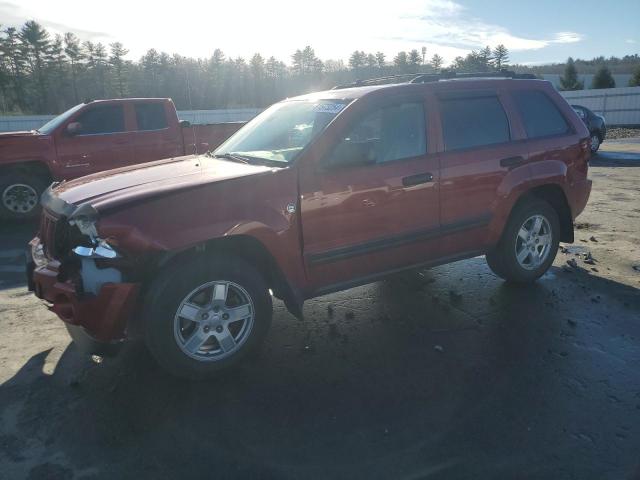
(318, 193)
(91, 137)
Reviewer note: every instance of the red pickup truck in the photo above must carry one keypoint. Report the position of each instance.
(316, 194)
(91, 137)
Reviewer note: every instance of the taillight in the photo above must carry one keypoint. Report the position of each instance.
(582, 164)
(585, 144)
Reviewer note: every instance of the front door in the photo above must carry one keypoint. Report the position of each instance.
(371, 206)
(100, 142)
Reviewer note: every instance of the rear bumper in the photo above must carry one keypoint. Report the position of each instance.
(580, 197)
(103, 317)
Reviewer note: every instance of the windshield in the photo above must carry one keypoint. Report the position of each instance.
(52, 124)
(279, 133)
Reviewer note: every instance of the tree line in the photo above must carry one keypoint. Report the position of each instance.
(602, 77)
(45, 74)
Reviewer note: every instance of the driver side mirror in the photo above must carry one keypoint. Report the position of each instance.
(352, 154)
(74, 128)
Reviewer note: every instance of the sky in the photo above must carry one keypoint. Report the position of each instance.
(535, 32)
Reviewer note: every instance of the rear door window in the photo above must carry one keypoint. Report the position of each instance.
(473, 122)
(151, 116)
(540, 115)
(101, 120)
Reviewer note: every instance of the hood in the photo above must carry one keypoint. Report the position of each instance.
(113, 188)
(20, 146)
(24, 133)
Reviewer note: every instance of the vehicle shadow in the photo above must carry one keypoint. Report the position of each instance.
(435, 374)
(14, 237)
(615, 159)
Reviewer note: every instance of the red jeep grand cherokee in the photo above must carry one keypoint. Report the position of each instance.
(318, 193)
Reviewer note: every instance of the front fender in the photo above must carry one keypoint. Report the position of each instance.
(184, 220)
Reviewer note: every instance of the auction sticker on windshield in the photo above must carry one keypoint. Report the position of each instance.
(328, 108)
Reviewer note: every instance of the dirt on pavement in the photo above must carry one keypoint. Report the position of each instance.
(444, 373)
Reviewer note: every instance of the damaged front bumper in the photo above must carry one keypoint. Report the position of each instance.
(96, 302)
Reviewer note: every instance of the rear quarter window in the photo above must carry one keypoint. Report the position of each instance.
(540, 115)
(473, 122)
(151, 116)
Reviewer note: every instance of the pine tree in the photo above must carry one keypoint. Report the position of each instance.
(500, 57)
(118, 65)
(401, 61)
(13, 53)
(380, 59)
(436, 62)
(101, 65)
(603, 78)
(486, 57)
(414, 59)
(74, 51)
(35, 44)
(569, 81)
(357, 60)
(371, 61)
(57, 72)
(634, 81)
(305, 61)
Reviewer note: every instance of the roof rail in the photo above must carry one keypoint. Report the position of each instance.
(434, 77)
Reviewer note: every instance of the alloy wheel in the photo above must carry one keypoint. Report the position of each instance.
(533, 242)
(214, 320)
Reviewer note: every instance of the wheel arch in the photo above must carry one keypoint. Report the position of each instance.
(250, 249)
(37, 168)
(554, 195)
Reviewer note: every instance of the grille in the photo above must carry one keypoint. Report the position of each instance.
(48, 224)
(57, 236)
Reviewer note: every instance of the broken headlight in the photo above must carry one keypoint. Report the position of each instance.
(84, 218)
(37, 254)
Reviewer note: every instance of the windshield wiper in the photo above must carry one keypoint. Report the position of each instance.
(231, 157)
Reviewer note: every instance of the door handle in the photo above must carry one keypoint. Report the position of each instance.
(512, 161)
(417, 179)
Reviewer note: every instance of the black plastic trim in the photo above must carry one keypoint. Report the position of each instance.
(337, 287)
(342, 253)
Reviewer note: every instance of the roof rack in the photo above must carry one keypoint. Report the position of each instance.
(434, 77)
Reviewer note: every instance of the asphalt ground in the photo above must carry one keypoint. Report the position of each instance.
(446, 373)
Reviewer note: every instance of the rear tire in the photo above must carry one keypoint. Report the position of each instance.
(529, 243)
(195, 333)
(20, 195)
(595, 142)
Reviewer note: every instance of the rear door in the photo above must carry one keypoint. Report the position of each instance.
(155, 136)
(554, 134)
(102, 142)
(362, 219)
(480, 146)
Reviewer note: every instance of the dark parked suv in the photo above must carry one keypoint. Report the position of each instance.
(318, 193)
(595, 124)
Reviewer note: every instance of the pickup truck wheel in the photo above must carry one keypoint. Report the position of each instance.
(206, 316)
(528, 245)
(20, 195)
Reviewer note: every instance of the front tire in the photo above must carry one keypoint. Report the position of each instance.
(595, 142)
(528, 245)
(206, 316)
